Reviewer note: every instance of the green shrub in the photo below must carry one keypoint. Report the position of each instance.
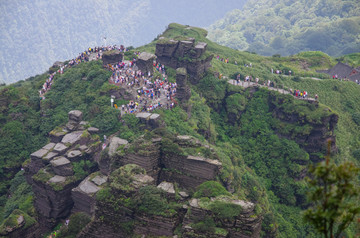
(225, 210)
(356, 118)
(77, 222)
(210, 189)
(151, 200)
(206, 225)
(121, 178)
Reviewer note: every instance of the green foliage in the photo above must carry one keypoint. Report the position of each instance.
(103, 194)
(283, 27)
(121, 178)
(82, 168)
(258, 165)
(11, 221)
(235, 104)
(207, 225)
(334, 196)
(210, 189)
(212, 89)
(225, 210)
(152, 200)
(77, 222)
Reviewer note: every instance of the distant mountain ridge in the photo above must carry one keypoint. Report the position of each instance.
(287, 27)
(37, 33)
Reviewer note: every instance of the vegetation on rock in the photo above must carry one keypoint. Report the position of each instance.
(262, 157)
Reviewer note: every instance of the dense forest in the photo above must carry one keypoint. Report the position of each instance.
(287, 27)
(36, 34)
(263, 162)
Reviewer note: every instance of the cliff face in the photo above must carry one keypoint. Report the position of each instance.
(308, 123)
(143, 187)
(184, 54)
(311, 125)
(59, 167)
(134, 202)
(112, 57)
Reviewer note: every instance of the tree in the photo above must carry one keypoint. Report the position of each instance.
(332, 192)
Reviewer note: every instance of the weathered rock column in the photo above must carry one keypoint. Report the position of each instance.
(183, 92)
(112, 57)
(145, 62)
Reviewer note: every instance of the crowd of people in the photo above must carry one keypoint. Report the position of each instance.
(82, 57)
(300, 94)
(151, 93)
(269, 83)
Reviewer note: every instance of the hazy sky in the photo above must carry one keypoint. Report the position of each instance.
(34, 34)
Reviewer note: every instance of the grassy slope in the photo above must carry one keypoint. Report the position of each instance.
(341, 97)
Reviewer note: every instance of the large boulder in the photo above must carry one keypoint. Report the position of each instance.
(115, 142)
(184, 54)
(72, 137)
(112, 57)
(75, 115)
(60, 148)
(165, 47)
(84, 194)
(183, 92)
(145, 62)
(184, 48)
(62, 166)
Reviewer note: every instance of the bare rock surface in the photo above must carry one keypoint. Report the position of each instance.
(143, 115)
(83, 147)
(60, 148)
(50, 155)
(75, 115)
(74, 155)
(183, 194)
(57, 136)
(60, 161)
(167, 187)
(93, 130)
(57, 179)
(145, 62)
(39, 154)
(72, 137)
(49, 146)
(88, 187)
(62, 166)
(112, 57)
(194, 202)
(115, 142)
(169, 52)
(99, 180)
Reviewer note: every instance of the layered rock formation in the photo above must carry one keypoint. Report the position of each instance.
(175, 165)
(142, 187)
(84, 194)
(183, 92)
(245, 224)
(308, 123)
(150, 120)
(18, 224)
(317, 135)
(112, 57)
(184, 54)
(145, 62)
(59, 166)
